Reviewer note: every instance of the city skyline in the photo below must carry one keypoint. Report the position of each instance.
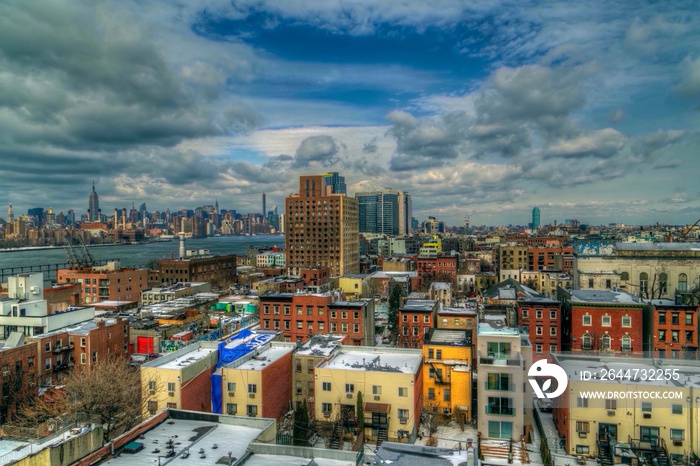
(484, 108)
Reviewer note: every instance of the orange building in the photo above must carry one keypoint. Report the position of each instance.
(106, 283)
(416, 318)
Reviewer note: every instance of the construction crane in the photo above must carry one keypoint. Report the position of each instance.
(689, 230)
(71, 254)
(89, 260)
(466, 220)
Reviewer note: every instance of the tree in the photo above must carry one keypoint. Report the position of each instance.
(110, 392)
(394, 304)
(360, 413)
(301, 426)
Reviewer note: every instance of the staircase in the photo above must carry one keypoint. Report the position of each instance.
(382, 435)
(604, 453)
(336, 437)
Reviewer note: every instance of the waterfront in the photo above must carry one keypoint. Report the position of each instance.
(139, 255)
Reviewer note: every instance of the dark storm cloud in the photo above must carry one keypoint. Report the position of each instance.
(321, 149)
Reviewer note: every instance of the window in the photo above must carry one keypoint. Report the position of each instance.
(446, 395)
(252, 388)
(682, 282)
(344, 327)
(610, 404)
(403, 415)
(688, 318)
(674, 336)
(538, 330)
(625, 276)
(252, 410)
(403, 391)
(538, 348)
(626, 343)
(498, 381)
(276, 309)
(498, 350)
(94, 356)
(286, 310)
(500, 429)
(586, 341)
(525, 313)
(605, 342)
(552, 331)
(82, 342)
(552, 348)
(232, 386)
(415, 319)
(675, 318)
(626, 321)
(326, 408)
(583, 426)
(587, 320)
(581, 402)
(677, 434)
(404, 318)
(349, 388)
(689, 336)
(552, 315)
(662, 335)
(502, 406)
(326, 386)
(171, 386)
(646, 407)
(590, 283)
(662, 317)
(663, 283)
(47, 346)
(538, 313)
(438, 354)
(231, 409)
(643, 282)
(287, 325)
(299, 310)
(431, 393)
(152, 407)
(376, 389)
(606, 321)
(431, 353)
(582, 449)
(676, 409)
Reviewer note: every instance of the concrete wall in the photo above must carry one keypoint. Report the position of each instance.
(303, 452)
(66, 452)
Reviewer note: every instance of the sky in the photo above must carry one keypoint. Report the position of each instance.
(589, 110)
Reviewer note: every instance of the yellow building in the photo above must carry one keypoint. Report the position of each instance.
(657, 418)
(312, 353)
(447, 380)
(432, 247)
(176, 380)
(353, 285)
(391, 381)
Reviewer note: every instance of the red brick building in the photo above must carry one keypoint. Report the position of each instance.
(601, 320)
(416, 318)
(549, 258)
(542, 320)
(299, 316)
(315, 276)
(18, 368)
(437, 269)
(108, 283)
(218, 270)
(674, 331)
(536, 241)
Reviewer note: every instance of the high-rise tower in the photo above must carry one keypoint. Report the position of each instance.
(93, 205)
(322, 228)
(10, 215)
(535, 218)
(385, 212)
(264, 211)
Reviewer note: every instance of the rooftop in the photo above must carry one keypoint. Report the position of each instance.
(178, 361)
(352, 304)
(179, 304)
(394, 275)
(418, 305)
(264, 358)
(375, 360)
(603, 296)
(320, 345)
(402, 454)
(460, 311)
(496, 325)
(448, 337)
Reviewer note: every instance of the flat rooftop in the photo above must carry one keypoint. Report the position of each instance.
(418, 305)
(496, 325)
(320, 345)
(182, 361)
(191, 435)
(657, 246)
(459, 311)
(397, 361)
(350, 304)
(603, 296)
(263, 359)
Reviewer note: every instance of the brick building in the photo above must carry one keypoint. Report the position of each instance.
(218, 270)
(542, 320)
(550, 258)
(416, 318)
(108, 283)
(437, 269)
(317, 350)
(18, 364)
(674, 330)
(298, 316)
(608, 321)
(315, 276)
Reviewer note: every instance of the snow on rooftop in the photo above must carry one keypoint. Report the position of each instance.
(320, 345)
(603, 296)
(407, 362)
(185, 360)
(264, 358)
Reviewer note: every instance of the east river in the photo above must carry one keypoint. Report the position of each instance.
(139, 255)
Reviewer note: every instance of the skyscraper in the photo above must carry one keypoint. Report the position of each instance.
(535, 218)
(321, 228)
(264, 211)
(10, 215)
(93, 205)
(385, 212)
(336, 181)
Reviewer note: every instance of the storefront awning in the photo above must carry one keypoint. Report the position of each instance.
(376, 408)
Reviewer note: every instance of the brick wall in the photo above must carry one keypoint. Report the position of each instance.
(195, 394)
(277, 387)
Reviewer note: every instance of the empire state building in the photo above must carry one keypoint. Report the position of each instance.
(94, 205)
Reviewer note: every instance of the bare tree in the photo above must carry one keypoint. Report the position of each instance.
(109, 392)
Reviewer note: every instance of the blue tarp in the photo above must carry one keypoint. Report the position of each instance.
(227, 355)
(216, 405)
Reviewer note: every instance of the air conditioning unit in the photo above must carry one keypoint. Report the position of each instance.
(376, 397)
(231, 393)
(348, 395)
(583, 434)
(403, 420)
(152, 391)
(171, 393)
(611, 412)
(326, 414)
(251, 395)
(5, 373)
(678, 443)
(647, 415)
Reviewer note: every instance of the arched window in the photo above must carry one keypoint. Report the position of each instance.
(663, 283)
(605, 342)
(625, 276)
(682, 282)
(586, 341)
(643, 282)
(626, 343)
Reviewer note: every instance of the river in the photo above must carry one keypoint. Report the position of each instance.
(138, 255)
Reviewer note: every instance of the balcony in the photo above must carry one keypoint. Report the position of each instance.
(501, 359)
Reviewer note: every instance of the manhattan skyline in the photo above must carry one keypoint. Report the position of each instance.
(588, 111)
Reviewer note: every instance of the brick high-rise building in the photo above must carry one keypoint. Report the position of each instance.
(322, 228)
